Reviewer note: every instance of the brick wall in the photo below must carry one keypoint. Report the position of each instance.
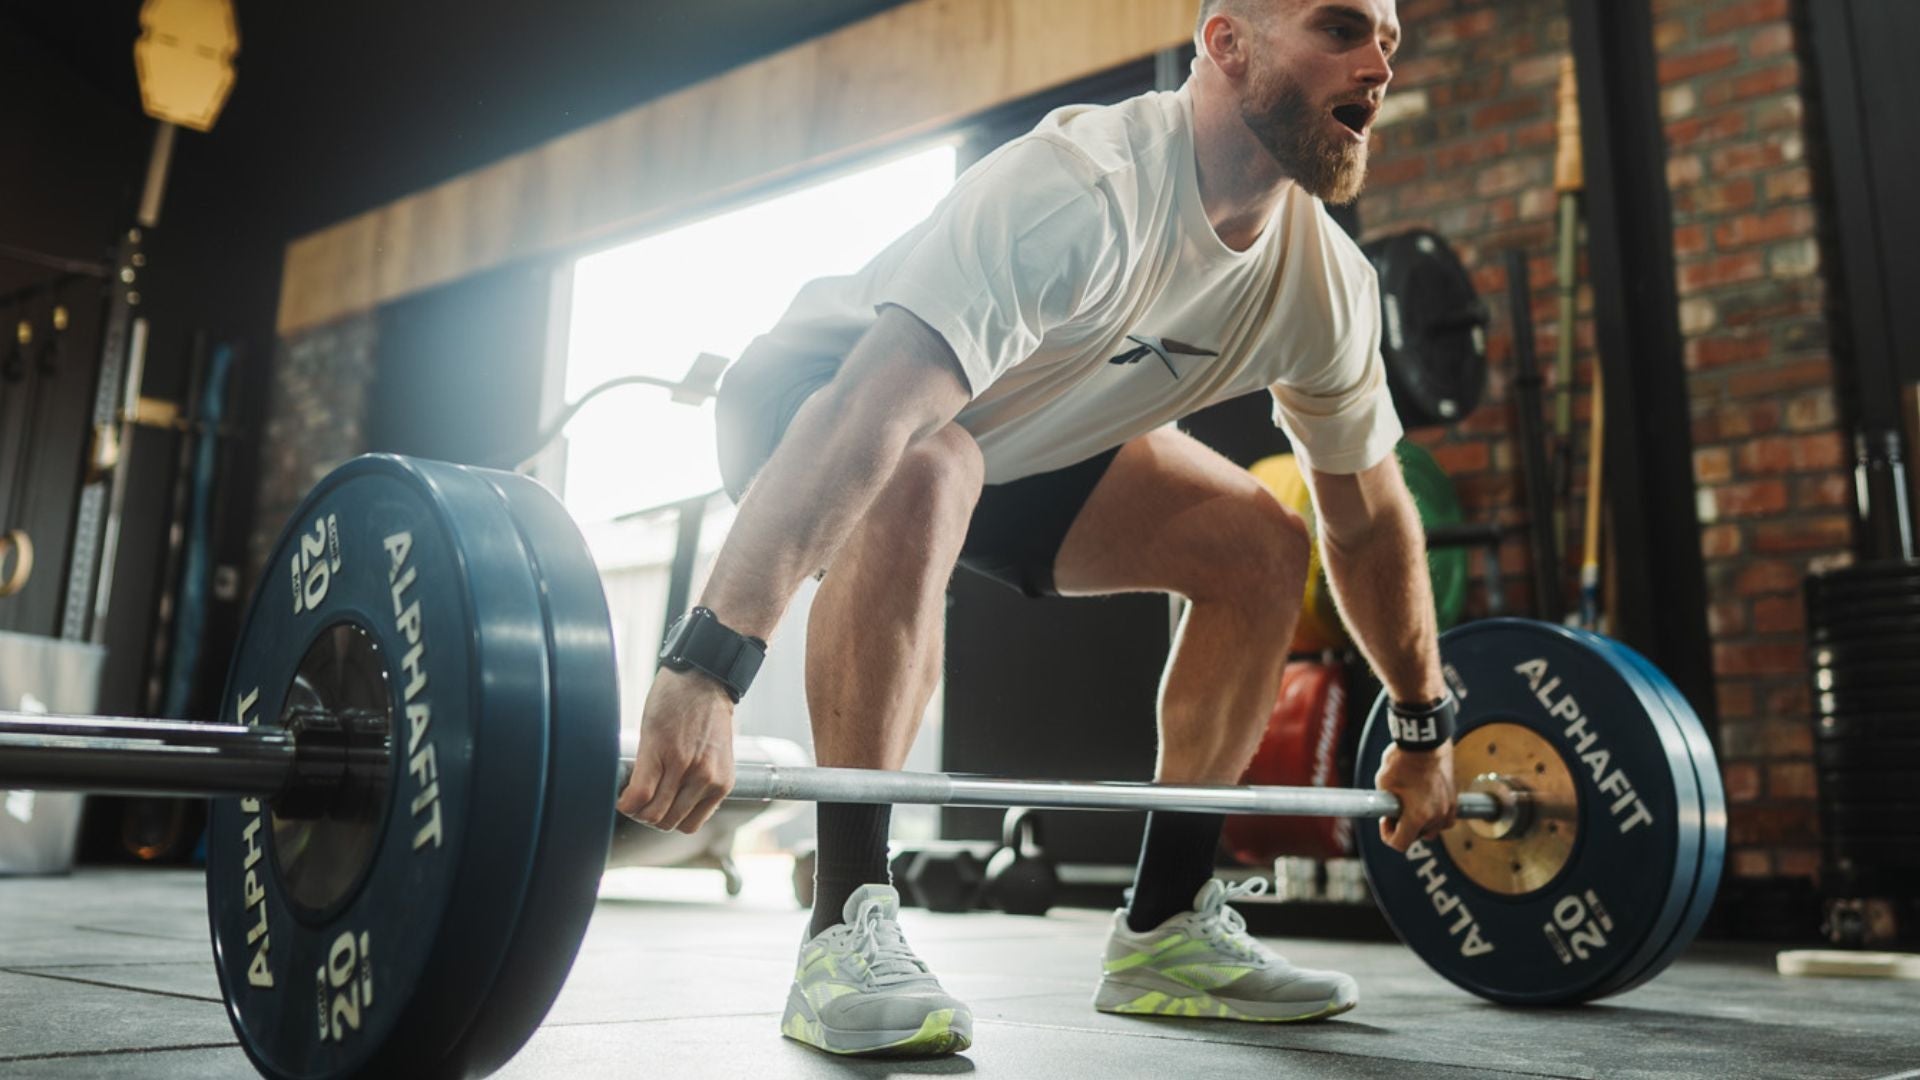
(1468, 151)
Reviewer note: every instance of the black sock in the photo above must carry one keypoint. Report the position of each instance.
(1176, 858)
(852, 851)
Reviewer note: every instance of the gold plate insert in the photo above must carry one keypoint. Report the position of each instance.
(1529, 855)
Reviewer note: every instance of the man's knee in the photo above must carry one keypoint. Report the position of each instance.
(1261, 562)
(938, 479)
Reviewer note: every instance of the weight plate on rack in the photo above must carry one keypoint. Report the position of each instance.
(1866, 701)
(1624, 890)
(1896, 649)
(1297, 750)
(1880, 571)
(1318, 627)
(1834, 611)
(1434, 496)
(1867, 728)
(1841, 755)
(413, 571)
(1850, 630)
(1841, 821)
(1875, 786)
(1885, 675)
(1874, 853)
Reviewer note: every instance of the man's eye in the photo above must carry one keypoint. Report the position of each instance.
(1341, 33)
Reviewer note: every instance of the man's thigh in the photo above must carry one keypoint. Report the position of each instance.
(1168, 515)
(1017, 528)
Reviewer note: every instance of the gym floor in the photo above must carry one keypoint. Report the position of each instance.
(106, 973)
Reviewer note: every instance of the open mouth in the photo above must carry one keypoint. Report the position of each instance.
(1354, 117)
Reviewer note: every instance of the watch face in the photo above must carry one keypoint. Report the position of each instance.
(670, 648)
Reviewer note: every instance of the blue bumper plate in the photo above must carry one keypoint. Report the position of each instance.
(400, 616)
(1592, 889)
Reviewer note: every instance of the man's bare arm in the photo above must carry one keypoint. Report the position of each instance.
(1374, 547)
(900, 384)
(1375, 550)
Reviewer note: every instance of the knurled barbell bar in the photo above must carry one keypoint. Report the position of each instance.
(306, 769)
(419, 738)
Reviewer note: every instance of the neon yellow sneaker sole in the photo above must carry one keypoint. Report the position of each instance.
(1130, 1000)
(943, 1031)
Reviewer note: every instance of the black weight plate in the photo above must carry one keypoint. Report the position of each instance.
(1884, 584)
(576, 825)
(1847, 877)
(1870, 728)
(1865, 628)
(1897, 577)
(1863, 786)
(1879, 571)
(1433, 336)
(1853, 715)
(1713, 811)
(1617, 901)
(1837, 611)
(1866, 700)
(1890, 852)
(1894, 649)
(1868, 754)
(1885, 675)
(1840, 601)
(423, 559)
(1866, 821)
(1867, 588)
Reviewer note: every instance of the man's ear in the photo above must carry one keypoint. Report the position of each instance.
(1223, 38)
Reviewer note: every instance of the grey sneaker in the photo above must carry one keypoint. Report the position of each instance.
(859, 989)
(1204, 963)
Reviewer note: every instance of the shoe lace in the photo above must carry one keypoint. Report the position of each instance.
(888, 958)
(1226, 927)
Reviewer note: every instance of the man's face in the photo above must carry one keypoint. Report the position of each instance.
(1317, 71)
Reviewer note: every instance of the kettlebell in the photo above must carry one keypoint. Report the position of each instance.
(1020, 875)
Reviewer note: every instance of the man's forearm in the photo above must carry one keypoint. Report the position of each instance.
(808, 497)
(1379, 576)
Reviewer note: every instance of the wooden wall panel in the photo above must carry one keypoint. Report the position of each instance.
(909, 70)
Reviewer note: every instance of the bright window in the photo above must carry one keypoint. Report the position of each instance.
(650, 307)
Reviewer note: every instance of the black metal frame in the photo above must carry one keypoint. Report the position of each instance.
(1660, 575)
(1863, 273)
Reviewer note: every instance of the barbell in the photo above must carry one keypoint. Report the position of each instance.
(414, 763)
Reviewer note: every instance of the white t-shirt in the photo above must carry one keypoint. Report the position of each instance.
(1088, 299)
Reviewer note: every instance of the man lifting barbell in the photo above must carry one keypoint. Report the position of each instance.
(996, 390)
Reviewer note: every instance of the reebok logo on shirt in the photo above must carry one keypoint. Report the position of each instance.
(1164, 348)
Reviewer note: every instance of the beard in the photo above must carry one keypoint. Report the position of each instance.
(1329, 166)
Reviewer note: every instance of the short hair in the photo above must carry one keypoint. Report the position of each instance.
(1245, 9)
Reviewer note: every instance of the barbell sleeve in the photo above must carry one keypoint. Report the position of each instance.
(116, 755)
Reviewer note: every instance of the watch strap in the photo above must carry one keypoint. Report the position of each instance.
(700, 642)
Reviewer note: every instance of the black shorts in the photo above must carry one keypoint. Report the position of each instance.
(1017, 527)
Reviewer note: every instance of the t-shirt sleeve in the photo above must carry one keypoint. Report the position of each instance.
(1339, 416)
(1019, 247)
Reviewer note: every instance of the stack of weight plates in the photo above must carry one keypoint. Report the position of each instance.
(1864, 654)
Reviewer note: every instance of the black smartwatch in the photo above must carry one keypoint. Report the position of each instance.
(699, 641)
(1426, 726)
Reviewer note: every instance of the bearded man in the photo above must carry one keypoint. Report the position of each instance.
(995, 390)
